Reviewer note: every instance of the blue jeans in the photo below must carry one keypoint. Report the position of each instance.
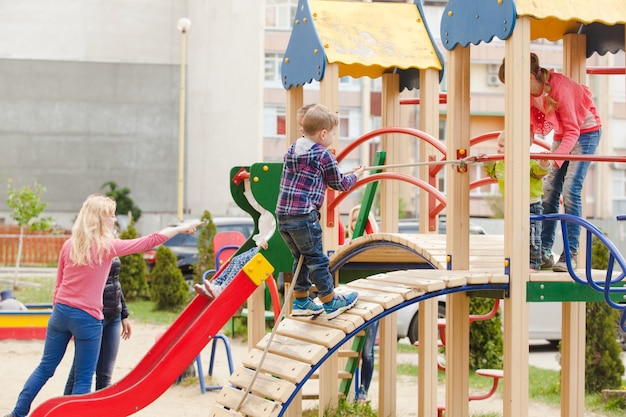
(64, 322)
(367, 359)
(303, 236)
(535, 237)
(234, 267)
(109, 347)
(567, 180)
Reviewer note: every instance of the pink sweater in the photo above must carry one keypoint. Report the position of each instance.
(575, 113)
(82, 286)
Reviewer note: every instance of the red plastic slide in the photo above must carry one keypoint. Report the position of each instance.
(170, 355)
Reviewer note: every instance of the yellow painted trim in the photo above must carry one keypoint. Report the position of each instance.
(366, 39)
(258, 269)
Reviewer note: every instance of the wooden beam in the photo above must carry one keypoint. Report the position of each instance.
(516, 214)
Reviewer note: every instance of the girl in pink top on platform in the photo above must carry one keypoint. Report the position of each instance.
(84, 263)
(561, 105)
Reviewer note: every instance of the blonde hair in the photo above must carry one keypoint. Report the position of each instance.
(90, 234)
(353, 216)
(500, 142)
(318, 118)
(302, 110)
(540, 74)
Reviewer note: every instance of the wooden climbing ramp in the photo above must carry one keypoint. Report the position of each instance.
(302, 345)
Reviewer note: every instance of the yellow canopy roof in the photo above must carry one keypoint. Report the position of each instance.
(365, 39)
(555, 17)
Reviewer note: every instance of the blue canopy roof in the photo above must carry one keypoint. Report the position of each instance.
(474, 21)
(364, 39)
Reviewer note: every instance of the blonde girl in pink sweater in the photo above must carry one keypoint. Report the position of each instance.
(82, 272)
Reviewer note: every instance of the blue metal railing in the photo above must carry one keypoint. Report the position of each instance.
(608, 285)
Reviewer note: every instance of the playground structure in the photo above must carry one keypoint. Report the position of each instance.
(24, 325)
(584, 28)
(398, 270)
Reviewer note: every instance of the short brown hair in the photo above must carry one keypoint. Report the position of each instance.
(318, 118)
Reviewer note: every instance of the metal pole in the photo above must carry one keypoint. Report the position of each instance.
(183, 26)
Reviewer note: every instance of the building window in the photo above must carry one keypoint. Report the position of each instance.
(619, 188)
(279, 14)
(349, 123)
(273, 61)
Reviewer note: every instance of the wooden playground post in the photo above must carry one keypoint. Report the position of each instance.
(329, 383)
(457, 233)
(574, 313)
(517, 224)
(389, 223)
(427, 326)
(295, 100)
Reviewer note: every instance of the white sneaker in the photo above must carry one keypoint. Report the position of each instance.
(212, 289)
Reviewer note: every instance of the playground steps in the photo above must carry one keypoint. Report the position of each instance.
(301, 344)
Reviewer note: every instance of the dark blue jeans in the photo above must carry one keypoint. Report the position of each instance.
(109, 347)
(64, 322)
(535, 237)
(367, 360)
(567, 180)
(303, 236)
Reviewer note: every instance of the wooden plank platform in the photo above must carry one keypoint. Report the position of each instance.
(301, 343)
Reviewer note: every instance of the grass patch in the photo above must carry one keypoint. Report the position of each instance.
(404, 348)
(544, 385)
(344, 409)
(34, 290)
(144, 311)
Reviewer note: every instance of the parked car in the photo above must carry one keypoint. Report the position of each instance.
(544, 321)
(185, 247)
(411, 226)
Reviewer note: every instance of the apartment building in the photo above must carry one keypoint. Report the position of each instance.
(92, 93)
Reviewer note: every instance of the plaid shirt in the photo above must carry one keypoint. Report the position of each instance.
(306, 175)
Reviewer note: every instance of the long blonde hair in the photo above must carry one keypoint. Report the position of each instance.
(90, 234)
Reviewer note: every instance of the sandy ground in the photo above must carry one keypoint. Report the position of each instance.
(19, 358)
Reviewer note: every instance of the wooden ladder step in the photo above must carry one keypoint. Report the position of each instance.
(284, 368)
(265, 386)
(289, 347)
(253, 406)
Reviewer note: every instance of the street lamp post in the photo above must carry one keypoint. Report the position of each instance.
(183, 26)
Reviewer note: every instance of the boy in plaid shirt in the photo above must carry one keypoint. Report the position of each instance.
(308, 169)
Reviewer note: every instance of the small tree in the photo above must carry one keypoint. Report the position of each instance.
(486, 346)
(206, 253)
(27, 207)
(124, 204)
(603, 365)
(167, 285)
(133, 270)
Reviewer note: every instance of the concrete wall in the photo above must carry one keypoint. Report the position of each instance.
(90, 93)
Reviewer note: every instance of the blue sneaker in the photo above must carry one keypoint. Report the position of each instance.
(305, 307)
(339, 304)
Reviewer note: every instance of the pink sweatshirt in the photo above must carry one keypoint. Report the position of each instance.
(82, 286)
(575, 113)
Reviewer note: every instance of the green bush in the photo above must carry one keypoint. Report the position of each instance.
(167, 285)
(486, 346)
(603, 365)
(206, 256)
(344, 409)
(133, 270)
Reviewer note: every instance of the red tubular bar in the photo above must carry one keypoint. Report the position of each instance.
(434, 142)
(559, 157)
(606, 70)
(334, 202)
(443, 99)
